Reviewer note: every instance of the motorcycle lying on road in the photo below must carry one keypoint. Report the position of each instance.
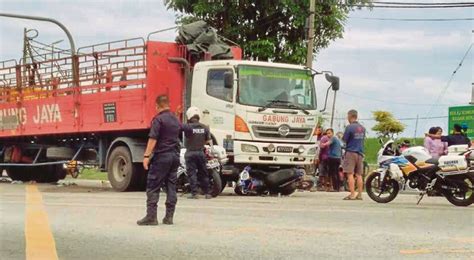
(259, 182)
(216, 157)
(452, 175)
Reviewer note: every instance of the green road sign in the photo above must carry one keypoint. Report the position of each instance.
(462, 115)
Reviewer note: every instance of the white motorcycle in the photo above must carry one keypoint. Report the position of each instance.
(452, 175)
(216, 157)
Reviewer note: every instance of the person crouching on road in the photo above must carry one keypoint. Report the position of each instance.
(196, 136)
(161, 159)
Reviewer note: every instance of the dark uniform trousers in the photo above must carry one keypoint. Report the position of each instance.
(162, 172)
(196, 167)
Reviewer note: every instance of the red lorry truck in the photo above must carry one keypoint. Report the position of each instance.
(95, 108)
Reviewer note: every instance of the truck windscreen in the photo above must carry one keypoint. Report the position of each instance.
(262, 86)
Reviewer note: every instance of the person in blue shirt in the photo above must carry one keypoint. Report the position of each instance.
(354, 137)
(334, 158)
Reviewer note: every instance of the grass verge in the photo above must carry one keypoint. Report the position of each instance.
(93, 174)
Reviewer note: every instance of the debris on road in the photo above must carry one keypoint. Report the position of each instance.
(66, 183)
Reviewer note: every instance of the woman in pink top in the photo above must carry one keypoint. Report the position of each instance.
(435, 147)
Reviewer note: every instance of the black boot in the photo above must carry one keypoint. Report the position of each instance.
(148, 220)
(168, 219)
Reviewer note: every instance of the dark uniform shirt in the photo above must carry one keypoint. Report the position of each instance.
(456, 139)
(196, 136)
(165, 128)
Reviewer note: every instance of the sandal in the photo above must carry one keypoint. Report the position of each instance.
(349, 198)
(359, 196)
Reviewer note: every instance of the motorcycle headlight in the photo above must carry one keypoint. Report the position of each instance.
(312, 151)
(247, 148)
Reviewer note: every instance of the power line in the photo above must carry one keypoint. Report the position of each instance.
(413, 19)
(410, 6)
(416, 3)
(450, 79)
(390, 101)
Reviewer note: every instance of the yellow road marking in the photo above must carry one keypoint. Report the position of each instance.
(39, 239)
(415, 251)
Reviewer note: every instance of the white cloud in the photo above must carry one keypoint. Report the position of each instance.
(389, 40)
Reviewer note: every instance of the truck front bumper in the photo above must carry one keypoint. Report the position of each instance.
(248, 152)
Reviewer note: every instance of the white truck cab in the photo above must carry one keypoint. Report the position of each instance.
(262, 113)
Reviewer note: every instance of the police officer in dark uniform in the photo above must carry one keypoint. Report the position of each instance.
(161, 159)
(196, 136)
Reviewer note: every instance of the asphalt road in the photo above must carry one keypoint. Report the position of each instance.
(83, 222)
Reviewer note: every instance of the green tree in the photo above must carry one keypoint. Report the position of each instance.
(387, 125)
(269, 29)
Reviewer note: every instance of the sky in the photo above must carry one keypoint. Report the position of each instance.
(401, 67)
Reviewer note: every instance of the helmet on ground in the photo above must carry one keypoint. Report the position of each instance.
(192, 112)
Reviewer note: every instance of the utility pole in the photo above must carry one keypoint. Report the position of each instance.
(472, 95)
(309, 54)
(333, 108)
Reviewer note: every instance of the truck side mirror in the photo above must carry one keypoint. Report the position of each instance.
(334, 80)
(228, 79)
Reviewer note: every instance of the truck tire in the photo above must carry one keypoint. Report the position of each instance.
(19, 173)
(60, 153)
(45, 174)
(122, 173)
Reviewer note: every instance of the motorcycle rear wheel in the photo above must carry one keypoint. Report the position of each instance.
(373, 188)
(462, 200)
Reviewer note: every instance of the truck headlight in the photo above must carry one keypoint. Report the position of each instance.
(247, 148)
(301, 149)
(312, 151)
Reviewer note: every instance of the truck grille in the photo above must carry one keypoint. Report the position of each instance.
(271, 132)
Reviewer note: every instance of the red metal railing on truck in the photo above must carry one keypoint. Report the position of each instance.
(115, 90)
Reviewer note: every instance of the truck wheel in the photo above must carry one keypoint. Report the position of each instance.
(19, 174)
(60, 153)
(216, 183)
(122, 173)
(61, 173)
(45, 174)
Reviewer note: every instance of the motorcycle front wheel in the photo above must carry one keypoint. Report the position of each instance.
(215, 182)
(379, 191)
(288, 189)
(465, 197)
